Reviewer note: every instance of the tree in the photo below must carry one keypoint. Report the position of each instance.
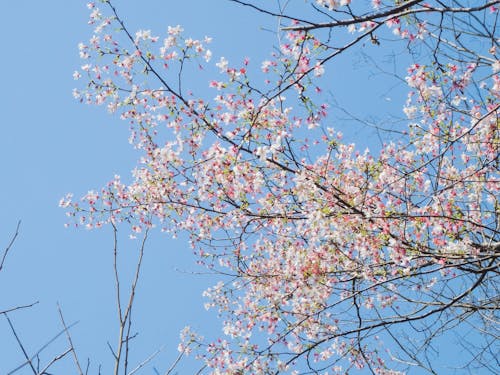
(334, 258)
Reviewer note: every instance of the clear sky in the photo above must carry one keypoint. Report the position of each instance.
(52, 145)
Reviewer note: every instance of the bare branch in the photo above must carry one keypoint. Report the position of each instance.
(21, 346)
(54, 360)
(19, 308)
(70, 341)
(125, 315)
(145, 362)
(13, 239)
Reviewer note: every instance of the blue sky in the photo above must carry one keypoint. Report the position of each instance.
(53, 145)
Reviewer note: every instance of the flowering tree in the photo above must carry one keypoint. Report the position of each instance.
(334, 258)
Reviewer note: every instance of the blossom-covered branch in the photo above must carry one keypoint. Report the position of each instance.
(333, 254)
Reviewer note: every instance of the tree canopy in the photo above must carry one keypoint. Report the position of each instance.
(332, 258)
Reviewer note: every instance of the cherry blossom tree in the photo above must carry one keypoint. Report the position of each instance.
(332, 258)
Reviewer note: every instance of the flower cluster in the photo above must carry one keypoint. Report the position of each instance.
(325, 241)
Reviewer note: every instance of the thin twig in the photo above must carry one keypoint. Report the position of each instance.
(145, 362)
(54, 360)
(174, 364)
(18, 308)
(125, 316)
(68, 336)
(6, 251)
(20, 344)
